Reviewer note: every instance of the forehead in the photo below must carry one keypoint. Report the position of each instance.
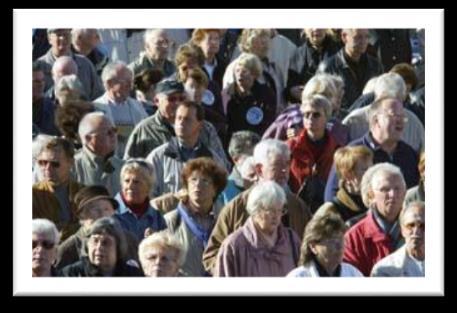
(392, 104)
(52, 154)
(309, 107)
(100, 203)
(158, 249)
(414, 214)
(40, 236)
(103, 236)
(383, 178)
(186, 111)
(274, 158)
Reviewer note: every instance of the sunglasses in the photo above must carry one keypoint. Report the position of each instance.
(45, 244)
(314, 115)
(43, 163)
(176, 98)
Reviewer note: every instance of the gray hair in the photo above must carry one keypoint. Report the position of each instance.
(247, 164)
(250, 62)
(265, 196)
(328, 85)
(366, 186)
(409, 206)
(268, 148)
(142, 167)
(248, 35)
(165, 240)
(376, 108)
(42, 226)
(65, 61)
(319, 102)
(242, 143)
(69, 82)
(153, 33)
(85, 125)
(390, 85)
(81, 32)
(110, 71)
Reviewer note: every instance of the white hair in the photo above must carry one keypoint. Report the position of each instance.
(246, 166)
(268, 148)
(48, 229)
(390, 85)
(81, 32)
(111, 69)
(320, 102)
(366, 186)
(153, 33)
(265, 195)
(165, 240)
(409, 206)
(39, 144)
(369, 86)
(329, 85)
(65, 61)
(86, 125)
(69, 82)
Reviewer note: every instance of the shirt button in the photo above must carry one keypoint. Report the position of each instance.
(394, 58)
(393, 38)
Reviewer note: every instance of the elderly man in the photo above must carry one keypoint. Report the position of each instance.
(169, 158)
(60, 40)
(84, 42)
(386, 126)
(409, 260)
(155, 53)
(378, 234)
(53, 196)
(63, 66)
(272, 158)
(124, 111)
(353, 64)
(95, 163)
(158, 129)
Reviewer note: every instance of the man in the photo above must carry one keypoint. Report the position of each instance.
(121, 109)
(158, 129)
(272, 158)
(168, 159)
(53, 195)
(386, 125)
(84, 42)
(156, 44)
(64, 66)
(95, 163)
(353, 64)
(409, 260)
(60, 40)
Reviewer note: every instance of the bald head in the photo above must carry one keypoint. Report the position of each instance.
(63, 66)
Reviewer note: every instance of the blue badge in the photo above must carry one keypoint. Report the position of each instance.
(254, 116)
(208, 98)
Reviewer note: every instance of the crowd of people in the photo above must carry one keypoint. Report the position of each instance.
(228, 153)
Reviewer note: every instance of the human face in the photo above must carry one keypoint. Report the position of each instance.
(360, 168)
(413, 230)
(96, 210)
(244, 78)
(43, 254)
(60, 41)
(315, 35)
(134, 188)
(187, 126)
(54, 166)
(329, 252)
(186, 66)
(276, 169)
(159, 261)
(268, 221)
(102, 140)
(167, 105)
(391, 120)
(315, 121)
(210, 44)
(119, 86)
(37, 85)
(102, 251)
(194, 91)
(355, 42)
(202, 192)
(260, 46)
(388, 195)
(157, 47)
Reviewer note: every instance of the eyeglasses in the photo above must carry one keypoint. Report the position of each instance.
(402, 117)
(44, 163)
(44, 243)
(314, 115)
(175, 98)
(281, 212)
(111, 132)
(203, 180)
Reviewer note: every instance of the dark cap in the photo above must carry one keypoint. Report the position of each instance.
(169, 86)
(92, 193)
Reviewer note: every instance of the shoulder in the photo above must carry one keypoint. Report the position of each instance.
(301, 271)
(348, 270)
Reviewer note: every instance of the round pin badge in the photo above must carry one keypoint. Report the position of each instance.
(208, 98)
(254, 116)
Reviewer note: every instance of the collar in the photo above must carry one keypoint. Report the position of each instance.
(323, 272)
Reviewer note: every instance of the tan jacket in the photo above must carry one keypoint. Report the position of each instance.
(234, 215)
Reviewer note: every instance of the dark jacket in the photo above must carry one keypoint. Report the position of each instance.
(83, 268)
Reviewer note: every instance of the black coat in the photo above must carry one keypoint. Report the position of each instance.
(83, 268)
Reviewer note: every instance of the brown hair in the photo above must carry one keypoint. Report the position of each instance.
(346, 159)
(199, 34)
(207, 167)
(406, 71)
(68, 116)
(198, 75)
(146, 78)
(200, 111)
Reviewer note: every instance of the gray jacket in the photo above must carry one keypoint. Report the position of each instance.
(398, 264)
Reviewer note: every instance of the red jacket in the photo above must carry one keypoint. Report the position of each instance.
(365, 244)
(304, 155)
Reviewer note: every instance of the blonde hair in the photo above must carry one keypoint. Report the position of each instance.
(320, 102)
(346, 159)
(249, 34)
(251, 62)
(199, 34)
(163, 239)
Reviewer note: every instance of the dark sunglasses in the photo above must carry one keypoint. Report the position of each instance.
(43, 163)
(312, 114)
(175, 98)
(45, 244)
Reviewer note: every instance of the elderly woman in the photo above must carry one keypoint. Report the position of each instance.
(249, 104)
(378, 234)
(323, 245)
(135, 212)
(263, 246)
(45, 238)
(105, 251)
(351, 163)
(312, 151)
(417, 193)
(195, 215)
(161, 255)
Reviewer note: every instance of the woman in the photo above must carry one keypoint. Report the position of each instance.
(249, 104)
(351, 163)
(161, 255)
(135, 212)
(105, 251)
(195, 215)
(45, 238)
(312, 152)
(417, 193)
(263, 246)
(323, 246)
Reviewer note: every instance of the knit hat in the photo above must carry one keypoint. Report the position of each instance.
(90, 194)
